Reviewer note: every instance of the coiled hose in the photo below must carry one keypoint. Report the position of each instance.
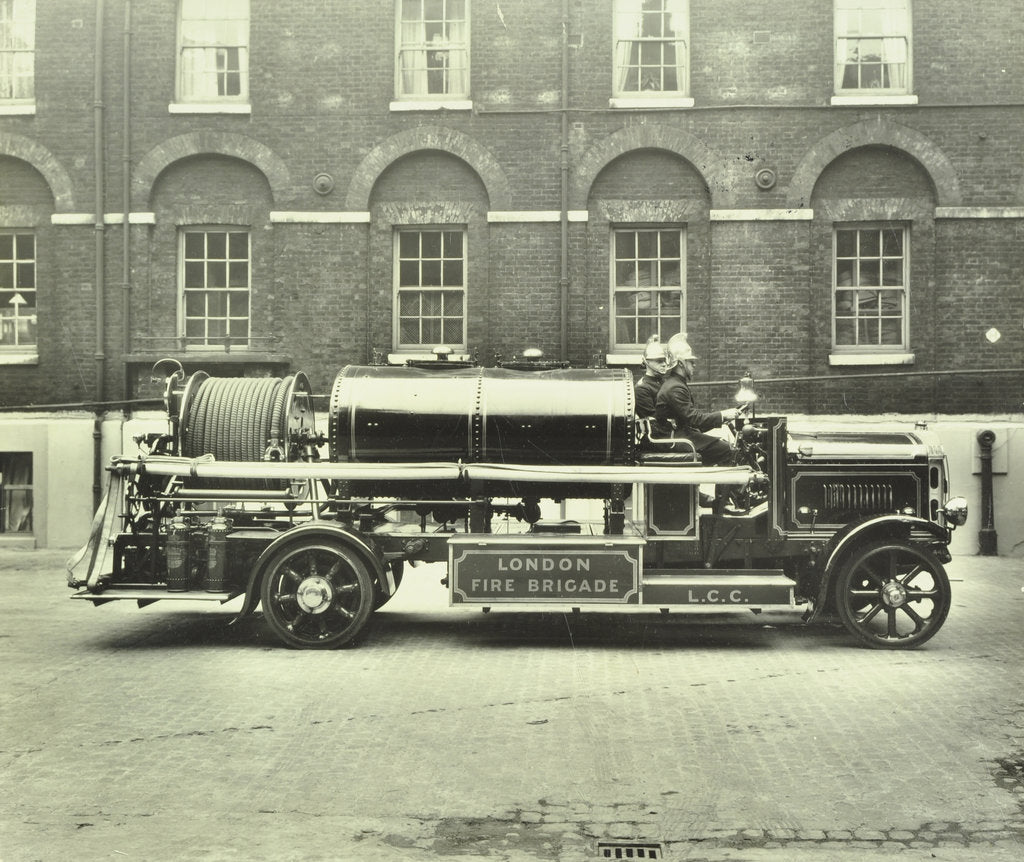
(237, 418)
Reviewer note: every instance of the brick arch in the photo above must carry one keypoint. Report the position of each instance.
(158, 159)
(20, 147)
(499, 191)
(647, 137)
(875, 133)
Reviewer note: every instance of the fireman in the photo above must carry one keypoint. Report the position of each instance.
(655, 363)
(674, 407)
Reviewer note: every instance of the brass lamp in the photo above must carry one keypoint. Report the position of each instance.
(746, 396)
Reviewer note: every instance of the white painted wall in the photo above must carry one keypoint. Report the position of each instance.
(958, 437)
(61, 448)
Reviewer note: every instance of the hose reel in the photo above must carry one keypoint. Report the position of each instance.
(245, 418)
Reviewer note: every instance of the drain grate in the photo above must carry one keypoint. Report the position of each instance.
(628, 850)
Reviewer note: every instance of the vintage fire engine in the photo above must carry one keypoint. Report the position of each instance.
(451, 462)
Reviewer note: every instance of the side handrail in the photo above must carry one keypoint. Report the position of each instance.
(646, 431)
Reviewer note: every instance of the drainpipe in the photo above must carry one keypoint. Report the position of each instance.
(987, 538)
(126, 187)
(563, 281)
(98, 143)
(99, 146)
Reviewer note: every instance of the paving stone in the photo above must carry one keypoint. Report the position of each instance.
(163, 727)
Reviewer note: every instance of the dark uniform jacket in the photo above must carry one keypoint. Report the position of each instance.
(675, 402)
(645, 395)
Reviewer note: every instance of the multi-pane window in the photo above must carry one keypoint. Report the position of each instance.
(213, 51)
(650, 47)
(433, 49)
(431, 287)
(215, 287)
(872, 45)
(870, 312)
(17, 50)
(15, 492)
(647, 284)
(17, 291)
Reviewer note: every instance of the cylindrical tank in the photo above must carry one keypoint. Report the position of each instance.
(566, 416)
(391, 413)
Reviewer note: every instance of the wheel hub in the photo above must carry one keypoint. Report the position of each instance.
(315, 595)
(894, 594)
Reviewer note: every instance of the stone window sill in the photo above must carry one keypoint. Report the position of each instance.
(209, 108)
(871, 359)
(873, 99)
(651, 102)
(622, 360)
(431, 105)
(19, 358)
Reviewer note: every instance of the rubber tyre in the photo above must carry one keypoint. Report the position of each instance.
(316, 594)
(892, 595)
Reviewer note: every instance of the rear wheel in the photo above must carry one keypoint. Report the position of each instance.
(892, 595)
(316, 594)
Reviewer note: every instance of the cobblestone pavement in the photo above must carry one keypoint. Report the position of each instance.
(164, 734)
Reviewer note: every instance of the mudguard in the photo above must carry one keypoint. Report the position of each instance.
(352, 539)
(859, 532)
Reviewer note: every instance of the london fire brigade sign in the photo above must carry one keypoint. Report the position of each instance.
(579, 572)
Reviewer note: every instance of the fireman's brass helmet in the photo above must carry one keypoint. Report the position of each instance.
(679, 349)
(654, 350)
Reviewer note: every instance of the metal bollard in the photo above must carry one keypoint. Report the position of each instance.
(987, 538)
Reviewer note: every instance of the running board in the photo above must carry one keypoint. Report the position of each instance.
(766, 589)
(147, 595)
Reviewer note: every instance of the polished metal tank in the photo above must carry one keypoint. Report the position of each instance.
(564, 416)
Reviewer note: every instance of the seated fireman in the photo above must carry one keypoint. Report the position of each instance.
(674, 407)
(645, 394)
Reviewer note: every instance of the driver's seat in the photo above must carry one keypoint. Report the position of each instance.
(658, 451)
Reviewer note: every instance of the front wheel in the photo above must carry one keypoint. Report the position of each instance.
(892, 595)
(316, 594)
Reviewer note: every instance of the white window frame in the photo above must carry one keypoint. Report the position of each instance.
(651, 274)
(207, 340)
(436, 53)
(13, 318)
(199, 92)
(882, 26)
(424, 285)
(7, 488)
(17, 54)
(853, 274)
(631, 49)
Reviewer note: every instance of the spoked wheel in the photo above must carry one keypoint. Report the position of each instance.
(316, 594)
(893, 595)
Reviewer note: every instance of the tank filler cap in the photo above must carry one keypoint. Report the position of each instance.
(533, 360)
(442, 360)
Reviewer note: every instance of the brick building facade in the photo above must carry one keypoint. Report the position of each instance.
(831, 198)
